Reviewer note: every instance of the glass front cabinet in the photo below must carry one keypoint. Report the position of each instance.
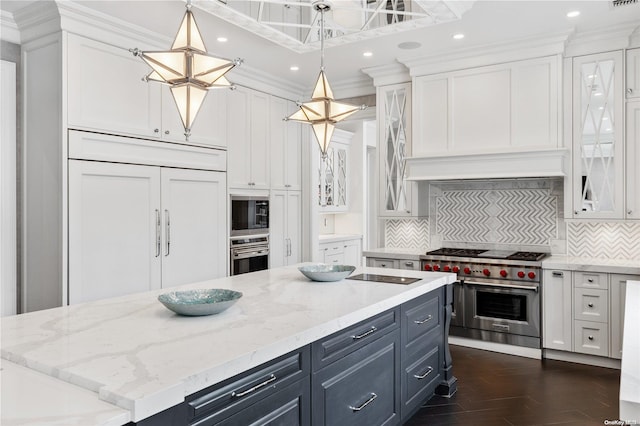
(333, 174)
(394, 146)
(598, 136)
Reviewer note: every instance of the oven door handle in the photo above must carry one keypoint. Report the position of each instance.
(247, 254)
(521, 287)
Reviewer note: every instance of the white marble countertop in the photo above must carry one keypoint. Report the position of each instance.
(587, 264)
(395, 253)
(138, 355)
(30, 398)
(630, 367)
(331, 238)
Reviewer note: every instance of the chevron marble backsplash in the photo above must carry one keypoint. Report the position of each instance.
(608, 240)
(407, 233)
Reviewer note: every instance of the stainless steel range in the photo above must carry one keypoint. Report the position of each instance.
(497, 295)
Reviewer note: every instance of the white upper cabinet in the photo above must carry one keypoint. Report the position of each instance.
(248, 135)
(497, 108)
(633, 73)
(598, 131)
(286, 148)
(334, 174)
(105, 90)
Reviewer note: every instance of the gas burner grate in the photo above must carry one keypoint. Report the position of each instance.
(456, 252)
(527, 255)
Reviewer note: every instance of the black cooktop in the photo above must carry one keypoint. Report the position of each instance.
(384, 279)
(456, 252)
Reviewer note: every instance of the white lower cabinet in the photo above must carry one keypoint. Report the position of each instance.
(285, 228)
(135, 228)
(583, 312)
(342, 252)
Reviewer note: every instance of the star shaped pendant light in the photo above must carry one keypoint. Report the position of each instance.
(188, 69)
(322, 111)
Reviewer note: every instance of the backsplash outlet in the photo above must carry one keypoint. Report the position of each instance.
(605, 240)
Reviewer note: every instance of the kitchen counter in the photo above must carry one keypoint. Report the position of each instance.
(133, 352)
(395, 253)
(332, 238)
(586, 264)
(630, 368)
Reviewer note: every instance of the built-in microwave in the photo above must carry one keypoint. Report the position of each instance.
(249, 215)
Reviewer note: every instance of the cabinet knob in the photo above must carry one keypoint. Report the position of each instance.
(629, 211)
(156, 130)
(590, 337)
(630, 91)
(575, 212)
(383, 265)
(590, 280)
(166, 132)
(590, 305)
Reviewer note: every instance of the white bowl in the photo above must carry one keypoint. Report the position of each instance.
(326, 273)
(200, 301)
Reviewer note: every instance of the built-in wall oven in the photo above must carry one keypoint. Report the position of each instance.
(497, 295)
(249, 215)
(249, 254)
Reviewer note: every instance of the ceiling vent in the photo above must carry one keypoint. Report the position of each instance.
(617, 3)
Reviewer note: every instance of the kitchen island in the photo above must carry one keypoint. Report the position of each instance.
(137, 355)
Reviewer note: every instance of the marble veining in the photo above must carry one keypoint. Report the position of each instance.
(142, 357)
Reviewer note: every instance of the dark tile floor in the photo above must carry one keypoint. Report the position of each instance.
(498, 389)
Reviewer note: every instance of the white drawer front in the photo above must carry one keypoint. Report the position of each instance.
(590, 280)
(591, 305)
(591, 338)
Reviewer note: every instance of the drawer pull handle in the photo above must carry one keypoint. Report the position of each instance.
(557, 274)
(364, 404)
(590, 305)
(427, 319)
(590, 280)
(408, 263)
(271, 379)
(590, 337)
(422, 376)
(383, 265)
(365, 334)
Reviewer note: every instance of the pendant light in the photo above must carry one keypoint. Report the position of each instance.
(188, 69)
(322, 111)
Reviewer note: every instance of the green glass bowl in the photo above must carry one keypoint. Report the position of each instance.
(199, 302)
(326, 273)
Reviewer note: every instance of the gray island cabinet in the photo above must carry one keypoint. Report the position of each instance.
(377, 372)
(289, 352)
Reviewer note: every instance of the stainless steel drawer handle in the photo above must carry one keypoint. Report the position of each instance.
(272, 378)
(365, 334)
(408, 263)
(557, 274)
(422, 376)
(167, 232)
(158, 232)
(590, 337)
(427, 319)
(383, 265)
(590, 305)
(364, 404)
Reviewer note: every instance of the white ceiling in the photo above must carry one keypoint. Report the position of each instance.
(487, 22)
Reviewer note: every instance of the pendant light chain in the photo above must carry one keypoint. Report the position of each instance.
(322, 39)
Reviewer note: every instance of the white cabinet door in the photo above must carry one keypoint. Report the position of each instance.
(194, 226)
(285, 148)
(285, 228)
(352, 253)
(114, 213)
(557, 316)
(210, 125)
(633, 160)
(633, 73)
(618, 291)
(105, 90)
(259, 135)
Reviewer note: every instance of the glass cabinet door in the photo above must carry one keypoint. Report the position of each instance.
(332, 181)
(598, 136)
(394, 115)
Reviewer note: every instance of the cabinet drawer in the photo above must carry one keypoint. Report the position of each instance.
(591, 338)
(420, 380)
(330, 249)
(420, 316)
(590, 280)
(353, 338)
(591, 305)
(336, 258)
(384, 263)
(225, 399)
(361, 388)
(409, 264)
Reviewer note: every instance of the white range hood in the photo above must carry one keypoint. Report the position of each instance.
(513, 164)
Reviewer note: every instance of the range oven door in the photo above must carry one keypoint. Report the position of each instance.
(502, 308)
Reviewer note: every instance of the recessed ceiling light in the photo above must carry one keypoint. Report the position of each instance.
(601, 108)
(458, 36)
(407, 45)
(294, 68)
(222, 39)
(367, 54)
(573, 14)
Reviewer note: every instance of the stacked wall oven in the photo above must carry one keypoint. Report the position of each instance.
(497, 295)
(249, 242)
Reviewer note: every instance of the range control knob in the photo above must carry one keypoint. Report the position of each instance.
(520, 274)
(428, 268)
(436, 267)
(531, 275)
(447, 268)
(455, 269)
(467, 270)
(503, 273)
(486, 272)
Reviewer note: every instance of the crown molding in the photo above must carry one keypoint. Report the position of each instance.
(635, 38)
(257, 79)
(521, 49)
(353, 87)
(8, 28)
(393, 73)
(602, 39)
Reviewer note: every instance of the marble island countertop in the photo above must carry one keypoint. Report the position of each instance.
(134, 353)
